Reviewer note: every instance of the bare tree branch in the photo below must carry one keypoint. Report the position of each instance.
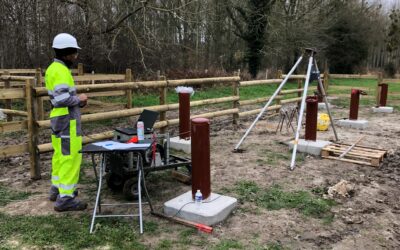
(121, 20)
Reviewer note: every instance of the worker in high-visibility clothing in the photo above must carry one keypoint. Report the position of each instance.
(65, 120)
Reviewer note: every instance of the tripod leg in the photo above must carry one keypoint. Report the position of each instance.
(303, 100)
(290, 121)
(279, 123)
(321, 86)
(269, 102)
(291, 116)
(283, 121)
(287, 121)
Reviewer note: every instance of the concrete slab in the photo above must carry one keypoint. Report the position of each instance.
(180, 144)
(309, 147)
(321, 105)
(382, 109)
(211, 211)
(357, 124)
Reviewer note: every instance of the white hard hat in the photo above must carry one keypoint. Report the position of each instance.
(65, 40)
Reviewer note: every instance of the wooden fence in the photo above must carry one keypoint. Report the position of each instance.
(33, 94)
(378, 77)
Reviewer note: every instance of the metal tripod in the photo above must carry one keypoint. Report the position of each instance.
(310, 52)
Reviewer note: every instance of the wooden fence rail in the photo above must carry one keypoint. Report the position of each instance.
(32, 92)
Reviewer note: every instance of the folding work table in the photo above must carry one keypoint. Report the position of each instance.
(137, 149)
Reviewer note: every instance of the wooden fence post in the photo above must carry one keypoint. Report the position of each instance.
(326, 78)
(39, 83)
(378, 88)
(163, 100)
(7, 102)
(278, 100)
(128, 78)
(236, 104)
(80, 69)
(32, 129)
(299, 86)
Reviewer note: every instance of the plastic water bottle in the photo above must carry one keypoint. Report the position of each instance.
(140, 130)
(198, 198)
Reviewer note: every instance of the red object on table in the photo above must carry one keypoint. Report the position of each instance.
(134, 139)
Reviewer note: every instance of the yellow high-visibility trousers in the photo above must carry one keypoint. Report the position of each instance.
(66, 159)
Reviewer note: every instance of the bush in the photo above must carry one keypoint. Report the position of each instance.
(390, 70)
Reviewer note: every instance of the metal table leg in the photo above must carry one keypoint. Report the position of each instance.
(97, 204)
(139, 167)
(94, 168)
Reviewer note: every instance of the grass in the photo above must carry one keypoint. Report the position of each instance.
(228, 244)
(102, 123)
(12, 135)
(17, 104)
(275, 198)
(185, 236)
(7, 195)
(272, 158)
(70, 231)
(149, 99)
(67, 232)
(274, 246)
(275, 158)
(84, 178)
(369, 85)
(164, 244)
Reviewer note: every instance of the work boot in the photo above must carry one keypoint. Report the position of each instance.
(68, 203)
(53, 193)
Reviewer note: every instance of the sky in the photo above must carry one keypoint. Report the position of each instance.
(388, 4)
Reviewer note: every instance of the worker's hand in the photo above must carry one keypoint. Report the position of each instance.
(82, 100)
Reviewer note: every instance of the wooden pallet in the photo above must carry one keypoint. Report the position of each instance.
(358, 154)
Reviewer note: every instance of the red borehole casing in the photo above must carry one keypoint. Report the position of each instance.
(184, 115)
(200, 147)
(384, 93)
(354, 103)
(311, 118)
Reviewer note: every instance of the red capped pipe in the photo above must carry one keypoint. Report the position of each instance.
(200, 147)
(383, 94)
(311, 118)
(354, 103)
(184, 115)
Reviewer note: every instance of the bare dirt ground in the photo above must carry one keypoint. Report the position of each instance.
(368, 219)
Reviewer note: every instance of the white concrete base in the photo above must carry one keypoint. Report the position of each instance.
(382, 109)
(309, 147)
(358, 124)
(180, 144)
(321, 105)
(211, 211)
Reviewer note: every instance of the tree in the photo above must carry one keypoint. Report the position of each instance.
(185, 36)
(393, 42)
(251, 22)
(347, 48)
(297, 24)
